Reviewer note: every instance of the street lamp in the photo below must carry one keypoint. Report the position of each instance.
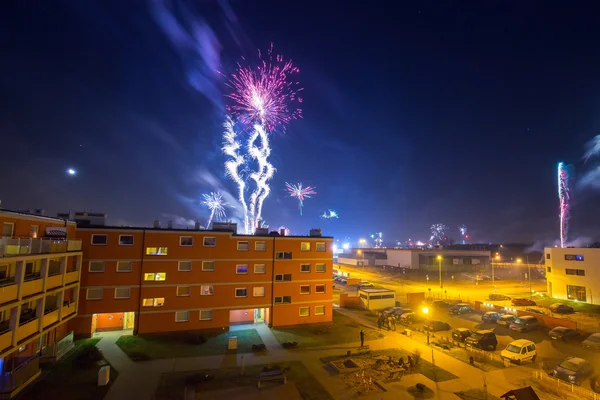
(439, 258)
(363, 257)
(426, 311)
(362, 242)
(528, 274)
(493, 274)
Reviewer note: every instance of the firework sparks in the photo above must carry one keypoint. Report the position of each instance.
(378, 239)
(330, 214)
(463, 232)
(263, 98)
(438, 232)
(300, 193)
(286, 231)
(215, 203)
(563, 198)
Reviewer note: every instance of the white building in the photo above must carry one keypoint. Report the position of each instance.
(573, 274)
(376, 299)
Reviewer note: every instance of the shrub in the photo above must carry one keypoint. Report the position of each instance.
(416, 355)
(87, 356)
(289, 345)
(196, 339)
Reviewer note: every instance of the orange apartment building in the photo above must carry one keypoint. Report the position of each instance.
(161, 279)
(40, 263)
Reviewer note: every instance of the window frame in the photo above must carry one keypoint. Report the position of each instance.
(305, 286)
(123, 298)
(95, 272)
(243, 241)
(209, 245)
(304, 308)
(317, 268)
(87, 293)
(324, 288)
(189, 291)
(320, 313)
(212, 289)
(206, 262)
(305, 243)
(303, 265)
(205, 319)
(283, 278)
(241, 297)
(281, 255)
(258, 265)
(154, 274)
(187, 313)
(237, 269)
(264, 291)
(154, 302)
(128, 262)
(256, 247)
(282, 300)
(126, 244)
(158, 251)
(99, 235)
(179, 263)
(321, 244)
(186, 237)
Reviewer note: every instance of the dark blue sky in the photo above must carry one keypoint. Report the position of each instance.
(452, 112)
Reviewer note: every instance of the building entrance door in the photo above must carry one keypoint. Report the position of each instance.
(259, 315)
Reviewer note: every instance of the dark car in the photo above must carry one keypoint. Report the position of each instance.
(595, 383)
(592, 342)
(523, 302)
(490, 317)
(410, 318)
(573, 370)
(440, 304)
(535, 311)
(460, 308)
(525, 324)
(434, 326)
(399, 311)
(485, 340)
(460, 334)
(563, 333)
(559, 308)
(506, 320)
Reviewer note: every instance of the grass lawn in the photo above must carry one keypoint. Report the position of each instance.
(172, 345)
(577, 306)
(343, 329)
(68, 380)
(425, 368)
(171, 386)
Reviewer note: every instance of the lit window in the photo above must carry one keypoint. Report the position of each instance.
(305, 246)
(153, 302)
(304, 311)
(283, 255)
(283, 299)
(210, 241)
(320, 267)
(241, 269)
(205, 315)
(207, 290)
(319, 288)
(99, 240)
(319, 310)
(156, 251)
(304, 267)
(155, 276)
(241, 292)
(94, 294)
(96, 266)
(573, 257)
(243, 246)
(208, 265)
(258, 291)
(182, 316)
(304, 289)
(186, 241)
(184, 266)
(260, 269)
(184, 290)
(260, 246)
(122, 293)
(321, 247)
(123, 266)
(125, 240)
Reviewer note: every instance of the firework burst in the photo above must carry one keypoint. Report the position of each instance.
(330, 214)
(300, 193)
(378, 239)
(438, 232)
(563, 198)
(215, 203)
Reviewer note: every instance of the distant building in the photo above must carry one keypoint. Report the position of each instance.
(83, 218)
(573, 274)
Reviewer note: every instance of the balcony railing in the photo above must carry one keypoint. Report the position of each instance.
(10, 247)
(56, 350)
(8, 292)
(5, 337)
(13, 380)
(50, 317)
(71, 276)
(68, 308)
(27, 329)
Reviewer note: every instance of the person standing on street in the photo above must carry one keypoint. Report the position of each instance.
(362, 338)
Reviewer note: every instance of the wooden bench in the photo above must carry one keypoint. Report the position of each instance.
(396, 373)
(269, 376)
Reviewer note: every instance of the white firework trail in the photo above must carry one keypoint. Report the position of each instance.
(215, 203)
(231, 147)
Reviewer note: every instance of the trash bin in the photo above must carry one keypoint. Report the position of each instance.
(104, 375)
(232, 343)
(407, 332)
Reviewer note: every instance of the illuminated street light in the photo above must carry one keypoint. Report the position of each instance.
(519, 260)
(425, 310)
(439, 258)
(362, 242)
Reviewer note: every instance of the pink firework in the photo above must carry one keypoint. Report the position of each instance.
(265, 94)
(300, 193)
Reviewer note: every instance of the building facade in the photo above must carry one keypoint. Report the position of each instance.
(40, 261)
(573, 274)
(161, 279)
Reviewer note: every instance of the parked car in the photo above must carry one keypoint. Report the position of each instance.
(365, 284)
(563, 333)
(592, 342)
(559, 308)
(573, 370)
(460, 334)
(523, 302)
(440, 304)
(434, 326)
(496, 296)
(460, 308)
(519, 351)
(484, 340)
(410, 318)
(490, 317)
(399, 311)
(595, 383)
(535, 311)
(525, 324)
(506, 320)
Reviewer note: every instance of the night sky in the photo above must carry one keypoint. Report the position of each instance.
(453, 112)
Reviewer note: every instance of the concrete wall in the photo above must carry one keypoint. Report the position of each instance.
(402, 258)
(347, 261)
(349, 301)
(558, 280)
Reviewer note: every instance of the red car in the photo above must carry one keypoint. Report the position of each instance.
(523, 302)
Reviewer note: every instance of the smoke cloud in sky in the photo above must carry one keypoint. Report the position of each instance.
(591, 176)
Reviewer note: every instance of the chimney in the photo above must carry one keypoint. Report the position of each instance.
(282, 232)
(169, 224)
(156, 223)
(316, 232)
(197, 225)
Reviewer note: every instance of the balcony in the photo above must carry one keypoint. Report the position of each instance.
(71, 277)
(54, 281)
(55, 351)
(8, 290)
(27, 328)
(50, 317)
(68, 308)
(33, 284)
(11, 247)
(12, 382)
(5, 336)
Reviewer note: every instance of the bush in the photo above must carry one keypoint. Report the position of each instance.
(87, 356)
(416, 356)
(289, 345)
(259, 347)
(196, 339)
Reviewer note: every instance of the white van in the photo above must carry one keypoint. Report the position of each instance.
(519, 351)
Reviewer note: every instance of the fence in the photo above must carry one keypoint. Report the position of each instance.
(580, 391)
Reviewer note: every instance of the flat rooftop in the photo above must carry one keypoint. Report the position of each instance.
(376, 290)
